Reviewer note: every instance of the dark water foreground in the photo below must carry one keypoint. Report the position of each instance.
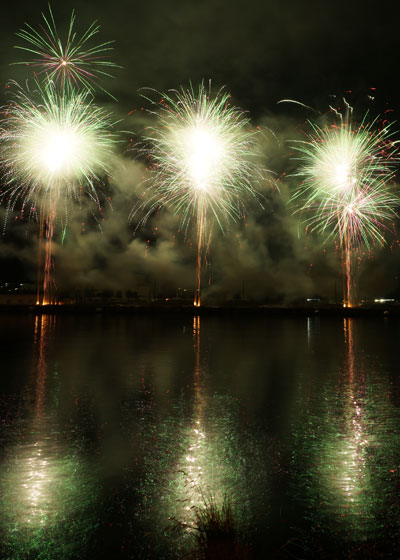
(113, 429)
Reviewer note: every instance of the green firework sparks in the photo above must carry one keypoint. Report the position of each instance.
(346, 169)
(53, 143)
(202, 154)
(75, 61)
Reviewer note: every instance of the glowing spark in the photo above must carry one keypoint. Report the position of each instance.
(202, 154)
(74, 61)
(346, 168)
(52, 143)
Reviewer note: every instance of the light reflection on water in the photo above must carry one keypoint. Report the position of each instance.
(195, 464)
(347, 445)
(295, 420)
(204, 450)
(203, 472)
(45, 486)
(344, 465)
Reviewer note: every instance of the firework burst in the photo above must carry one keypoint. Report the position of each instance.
(74, 61)
(346, 169)
(54, 145)
(202, 155)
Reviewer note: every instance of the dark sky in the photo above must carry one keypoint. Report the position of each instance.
(262, 51)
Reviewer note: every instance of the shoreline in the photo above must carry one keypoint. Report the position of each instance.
(223, 310)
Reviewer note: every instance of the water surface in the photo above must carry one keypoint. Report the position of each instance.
(113, 429)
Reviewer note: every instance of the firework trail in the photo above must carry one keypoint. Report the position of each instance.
(202, 155)
(346, 168)
(54, 145)
(74, 61)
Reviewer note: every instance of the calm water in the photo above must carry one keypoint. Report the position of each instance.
(113, 428)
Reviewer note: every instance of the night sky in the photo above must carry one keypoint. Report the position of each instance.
(262, 52)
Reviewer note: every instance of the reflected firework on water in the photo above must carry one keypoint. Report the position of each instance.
(344, 467)
(346, 463)
(48, 489)
(112, 454)
(194, 465)
(202, 452)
